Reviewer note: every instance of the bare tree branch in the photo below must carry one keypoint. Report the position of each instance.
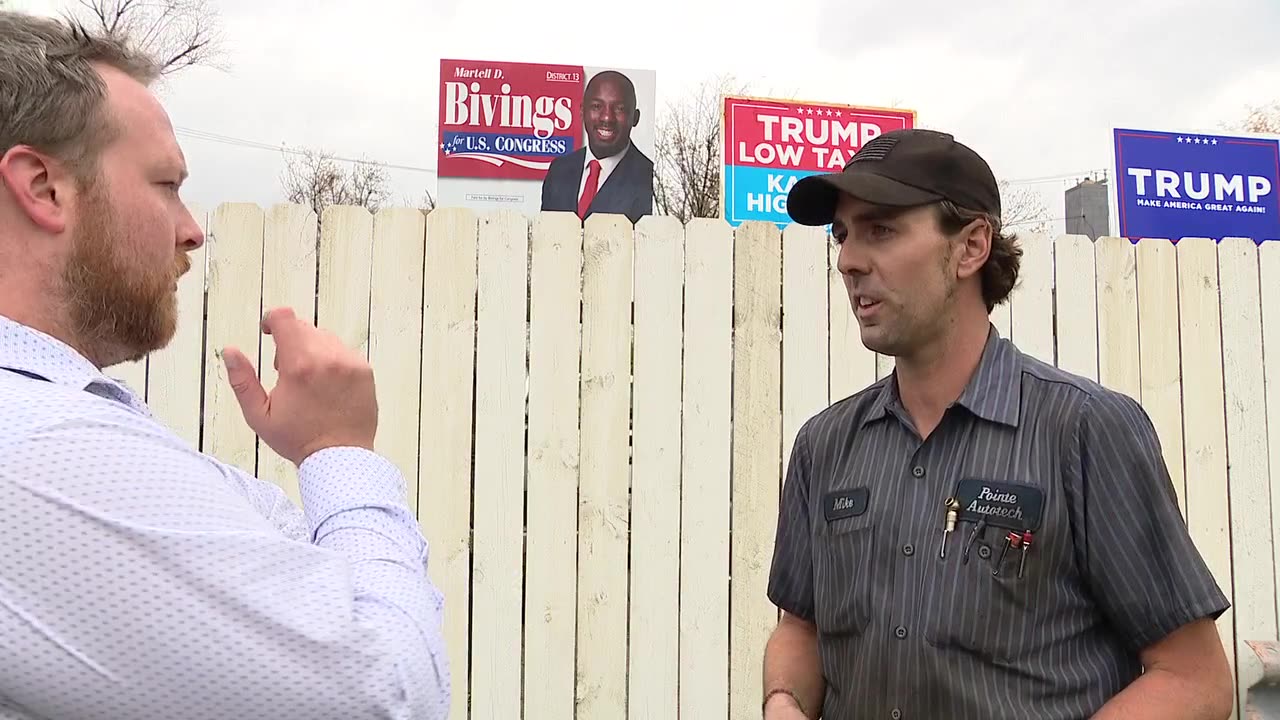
(1263, 118)
(179, 34)
(686, 181)
(1024, 210)
(313, 178)
(426, 203)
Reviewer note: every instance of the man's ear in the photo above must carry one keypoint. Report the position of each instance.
(38, 185)
(635, 119)
(974, 245)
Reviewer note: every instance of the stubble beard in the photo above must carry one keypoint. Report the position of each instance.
(903, 331)
(119, 310)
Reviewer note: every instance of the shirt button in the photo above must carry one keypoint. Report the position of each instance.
(900, 632)
(908, 549)
(896, 714)
(918, 471)
(984, 552)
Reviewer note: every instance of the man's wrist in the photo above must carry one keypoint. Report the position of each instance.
(781, 696)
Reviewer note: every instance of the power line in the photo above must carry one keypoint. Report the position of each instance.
(1056, 178)
(1029, 221)
(256, 145)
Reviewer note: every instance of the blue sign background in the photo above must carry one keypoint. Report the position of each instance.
(749, 194)
(1189, 155)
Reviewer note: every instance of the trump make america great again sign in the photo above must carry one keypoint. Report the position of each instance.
(1172, 185)
(770, 144)
(503, 124)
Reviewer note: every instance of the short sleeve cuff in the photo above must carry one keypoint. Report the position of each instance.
(788, 603)
(1162, 623)
(338, 479)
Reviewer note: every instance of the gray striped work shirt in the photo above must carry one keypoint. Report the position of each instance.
(905, 633)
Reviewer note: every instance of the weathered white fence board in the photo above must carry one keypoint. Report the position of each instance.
(1077, 307)
(552, 552)
(757, 443)
(289, 278)
(1117, 292)
(1205, 432)
(235, 308)
(1249, 487)
(705, 470)
(603, 507)
(1159, 353)
(1032, 299)
(654, 630)
(395, 335)
(446, 449)
(498, 518)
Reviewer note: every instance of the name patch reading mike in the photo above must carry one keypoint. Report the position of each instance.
(845, 503)
(1009, 505)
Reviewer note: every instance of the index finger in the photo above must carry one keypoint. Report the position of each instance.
(284, 326)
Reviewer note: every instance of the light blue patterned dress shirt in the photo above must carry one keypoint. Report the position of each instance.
(140, 579)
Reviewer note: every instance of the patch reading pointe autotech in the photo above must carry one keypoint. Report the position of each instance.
(1009, 505)
(845, 503)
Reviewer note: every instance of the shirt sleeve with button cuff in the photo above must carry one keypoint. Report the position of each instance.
(140, 580)
(1131, 543)
(790, 584)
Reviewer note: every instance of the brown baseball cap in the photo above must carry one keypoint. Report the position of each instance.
(902, 168)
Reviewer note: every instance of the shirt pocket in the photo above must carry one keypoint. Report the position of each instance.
(843, 575)
(970, 608)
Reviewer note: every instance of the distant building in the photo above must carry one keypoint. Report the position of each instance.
(1087, 209)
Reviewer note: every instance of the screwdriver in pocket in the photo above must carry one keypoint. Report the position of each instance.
(953, 509)
(1026, 543)
(1012, 540)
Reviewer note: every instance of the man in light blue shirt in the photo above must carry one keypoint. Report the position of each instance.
(139, 578)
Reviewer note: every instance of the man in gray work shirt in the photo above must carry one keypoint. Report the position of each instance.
(1067, 570)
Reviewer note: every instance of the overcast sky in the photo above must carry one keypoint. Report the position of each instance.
(1034, 86)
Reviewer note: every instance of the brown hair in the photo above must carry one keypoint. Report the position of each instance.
(1000, 273)
(51, 96)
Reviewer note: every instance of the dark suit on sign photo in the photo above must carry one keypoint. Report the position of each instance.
(627, 188)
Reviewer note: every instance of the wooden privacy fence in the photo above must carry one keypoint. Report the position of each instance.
(594, 423)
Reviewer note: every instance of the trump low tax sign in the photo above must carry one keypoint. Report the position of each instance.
(1174, 185)
(770, 144)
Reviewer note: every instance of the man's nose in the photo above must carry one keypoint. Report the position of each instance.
(190, 234)
(852, 260)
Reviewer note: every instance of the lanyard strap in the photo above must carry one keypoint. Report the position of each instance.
(26, 373)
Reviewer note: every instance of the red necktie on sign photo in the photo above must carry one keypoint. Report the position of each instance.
(589, 191)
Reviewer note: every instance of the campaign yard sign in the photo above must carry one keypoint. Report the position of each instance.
(503, 125)
(770, 144)
(1172, 185)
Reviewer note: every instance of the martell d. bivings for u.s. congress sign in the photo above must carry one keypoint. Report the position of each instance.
(1171, 185)
(533, 137)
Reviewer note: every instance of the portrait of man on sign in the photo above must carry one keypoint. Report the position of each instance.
(609, 174)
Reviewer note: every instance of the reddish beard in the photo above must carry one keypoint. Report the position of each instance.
(119, 308)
